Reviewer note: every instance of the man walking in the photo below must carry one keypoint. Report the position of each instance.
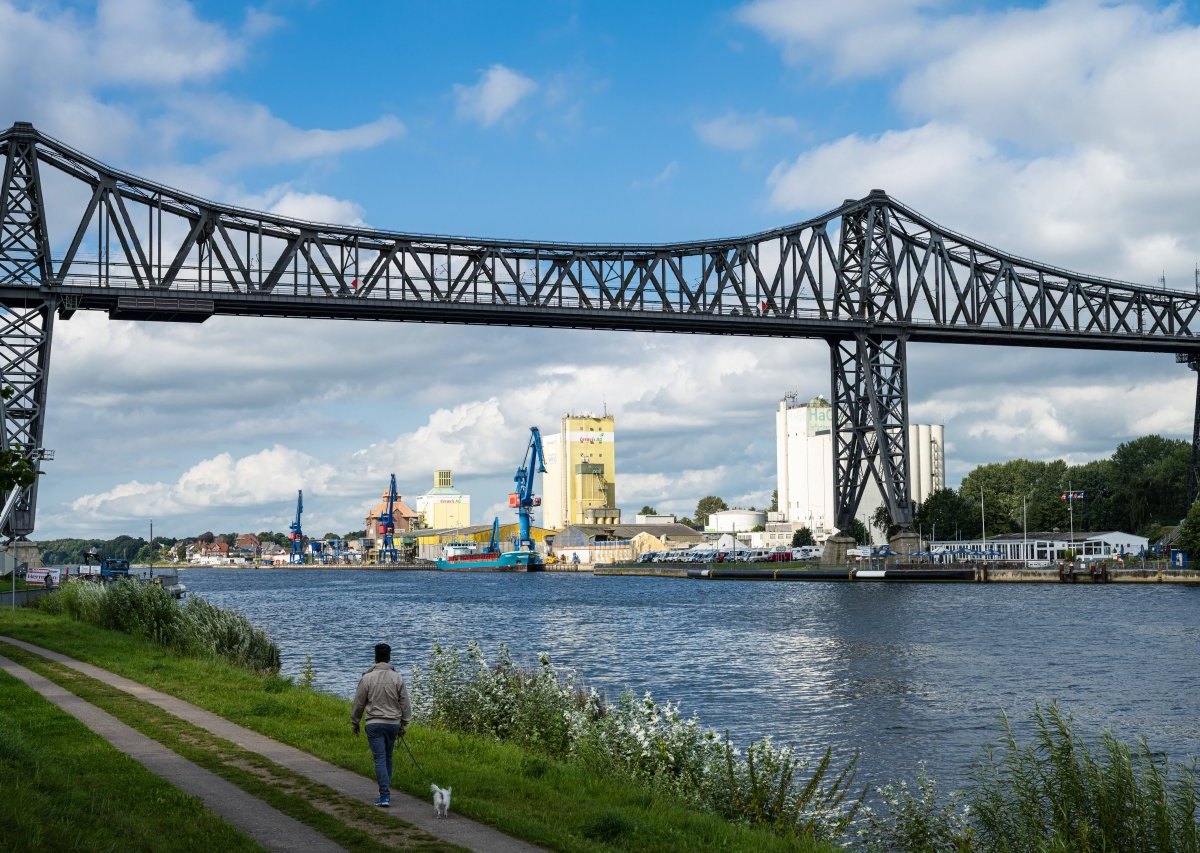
(383, 696)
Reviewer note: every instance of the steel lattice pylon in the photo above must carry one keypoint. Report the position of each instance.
(26, 325)
(870, 426)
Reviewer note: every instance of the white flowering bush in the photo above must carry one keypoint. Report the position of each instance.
(914, 819)
(552, 711)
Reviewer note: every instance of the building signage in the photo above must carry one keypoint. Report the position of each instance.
(820, 418)
(596, 437)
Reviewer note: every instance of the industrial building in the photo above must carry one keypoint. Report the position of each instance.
(444, 506)
(592, 544)
(430, 544)
(804, 459)
(580, 483)
(404, 519)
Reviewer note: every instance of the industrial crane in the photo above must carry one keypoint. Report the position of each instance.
(387, 526)
(523, 498)
(296, 534)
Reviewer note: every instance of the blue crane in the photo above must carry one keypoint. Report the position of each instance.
(387, 526)
(523, 498)
(296, 534)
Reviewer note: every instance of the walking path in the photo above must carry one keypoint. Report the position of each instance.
(455, 829)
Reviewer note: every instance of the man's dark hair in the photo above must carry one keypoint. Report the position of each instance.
(383, 653)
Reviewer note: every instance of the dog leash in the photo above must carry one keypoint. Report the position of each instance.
(417, 764)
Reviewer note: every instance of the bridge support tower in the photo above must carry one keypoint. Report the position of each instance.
(27, 312)
(869, 381)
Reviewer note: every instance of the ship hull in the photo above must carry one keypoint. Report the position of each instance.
(512, 561)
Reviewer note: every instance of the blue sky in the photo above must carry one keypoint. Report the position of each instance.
(1063, 131)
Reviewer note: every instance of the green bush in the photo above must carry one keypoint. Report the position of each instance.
(150, 612)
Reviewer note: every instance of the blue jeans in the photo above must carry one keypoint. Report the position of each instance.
(381, 737)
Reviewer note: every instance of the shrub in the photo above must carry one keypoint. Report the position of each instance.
(551, 711)
(150, 612)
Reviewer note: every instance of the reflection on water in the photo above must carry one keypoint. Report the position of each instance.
(904, 673)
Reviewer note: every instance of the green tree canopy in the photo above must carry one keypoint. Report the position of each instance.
(858, 531)
(647, 510)
(707, 506)
(1189, 533)
(946, 515)
(802, 537)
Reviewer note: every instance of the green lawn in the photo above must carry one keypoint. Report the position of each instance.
(549, 803)
(66, 788)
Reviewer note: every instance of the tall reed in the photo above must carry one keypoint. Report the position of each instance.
(149, 611)
(1061, 793)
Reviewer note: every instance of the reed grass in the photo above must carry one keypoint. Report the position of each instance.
(149, 612)
(1059, 792)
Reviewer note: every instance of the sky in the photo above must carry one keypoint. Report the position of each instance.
(1063, 131)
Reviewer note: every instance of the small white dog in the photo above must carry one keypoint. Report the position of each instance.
(441, 800)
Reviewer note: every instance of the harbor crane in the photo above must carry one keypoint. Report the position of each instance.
(523, 498)
(387, 527)
(296, 534)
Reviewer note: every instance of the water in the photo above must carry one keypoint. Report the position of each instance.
(903, 673)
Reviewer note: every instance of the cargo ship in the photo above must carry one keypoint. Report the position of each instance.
(468, 557)
(465, 557)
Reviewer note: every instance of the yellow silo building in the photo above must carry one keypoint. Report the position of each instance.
(580, 483)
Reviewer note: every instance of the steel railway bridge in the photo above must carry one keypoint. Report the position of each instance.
(867, 277)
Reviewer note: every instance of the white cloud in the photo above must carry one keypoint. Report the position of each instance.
(737, 132)
(270, 475)
(497, 93)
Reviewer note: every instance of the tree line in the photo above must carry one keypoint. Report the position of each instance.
(1142, 488)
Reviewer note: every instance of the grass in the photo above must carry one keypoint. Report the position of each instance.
(353, 824)
(551, 803)
(66, 788)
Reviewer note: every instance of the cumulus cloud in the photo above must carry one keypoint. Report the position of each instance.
(498, 92)
(220, 481)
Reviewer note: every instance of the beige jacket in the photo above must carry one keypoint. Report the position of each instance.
(383, 696)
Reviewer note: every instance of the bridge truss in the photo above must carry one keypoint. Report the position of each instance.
(867, 277)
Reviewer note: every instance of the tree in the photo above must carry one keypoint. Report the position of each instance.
(1189, 532)
(207, 537)
(647, 510)
(858, 531)
(882, 521)
(946, 514)
(707, 506)
(774, 507)
(803, 536)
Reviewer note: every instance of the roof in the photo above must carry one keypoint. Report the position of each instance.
(628, 531)
(442, 490)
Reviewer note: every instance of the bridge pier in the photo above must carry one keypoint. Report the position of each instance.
(26, 312)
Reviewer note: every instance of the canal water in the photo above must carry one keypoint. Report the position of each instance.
(902, 673)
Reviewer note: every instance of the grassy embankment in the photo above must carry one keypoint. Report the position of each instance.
(551, 803)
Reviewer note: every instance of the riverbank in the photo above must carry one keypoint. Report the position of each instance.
(548, 803)
(901, 572)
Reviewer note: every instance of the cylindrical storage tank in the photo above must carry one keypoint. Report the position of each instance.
(731, 520)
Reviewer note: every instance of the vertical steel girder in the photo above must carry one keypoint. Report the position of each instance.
(870, 426)
(869, 375)
(27, 319)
